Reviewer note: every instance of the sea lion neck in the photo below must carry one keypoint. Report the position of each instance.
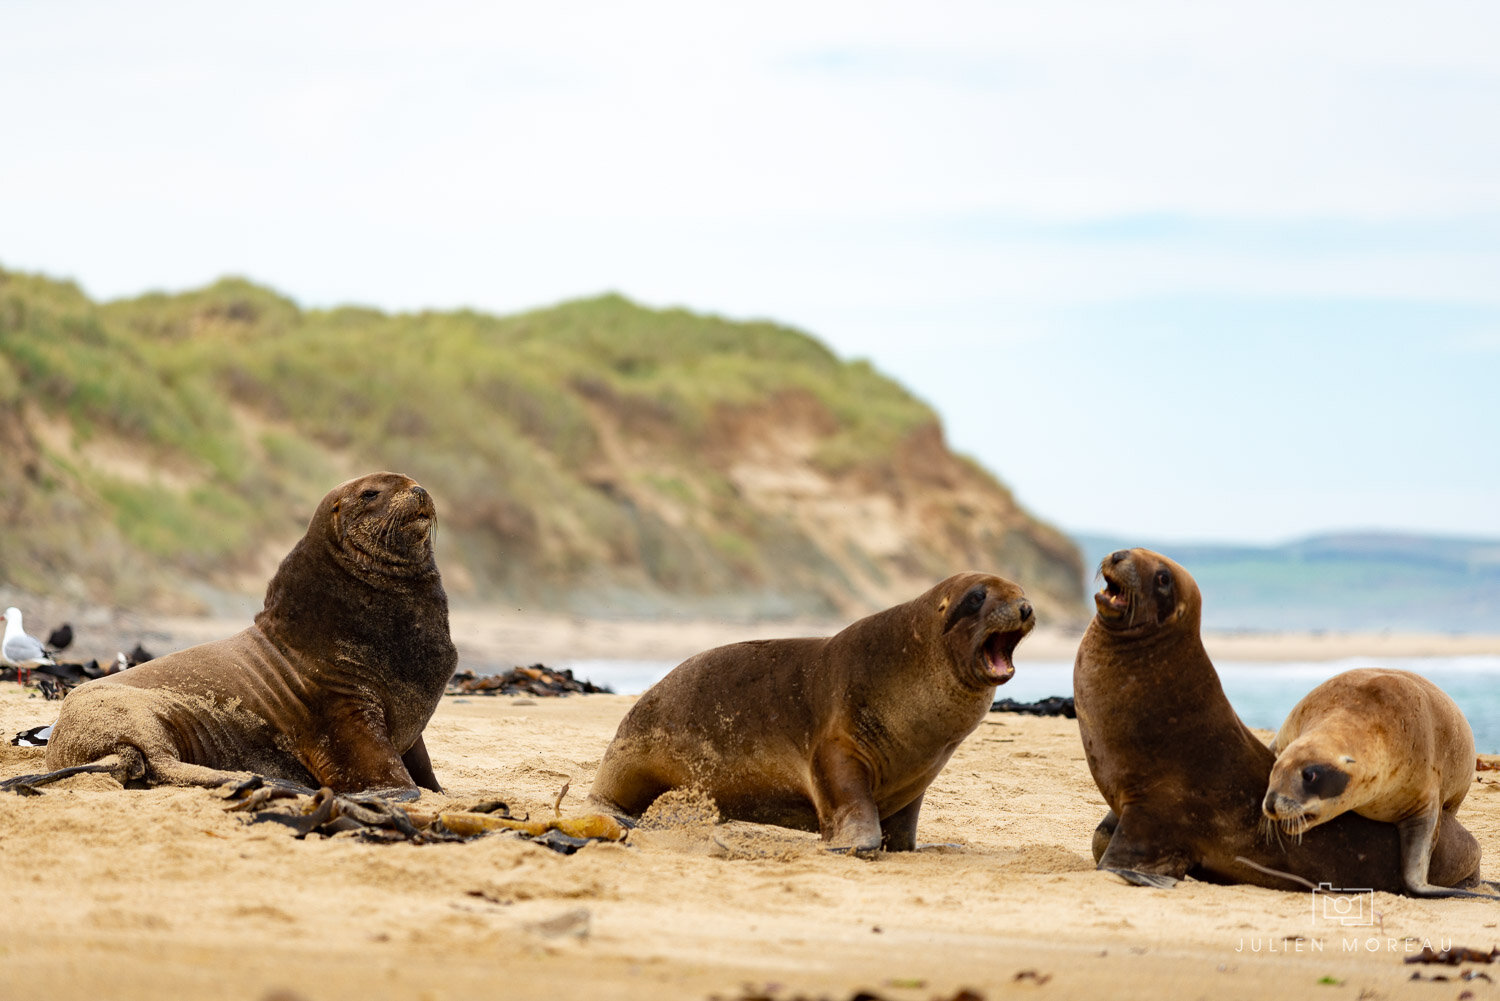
(347, 591)
(1166, 666)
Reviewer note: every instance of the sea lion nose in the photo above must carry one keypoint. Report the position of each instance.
(1119, 556)
(419, 490)
(1025, 610)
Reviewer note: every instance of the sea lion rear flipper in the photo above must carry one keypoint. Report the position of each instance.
(1137, 858)
(26, 785)
(420, 766)
(898, 832)
(1103, 833)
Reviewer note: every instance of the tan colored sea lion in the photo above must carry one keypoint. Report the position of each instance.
(1183, 777)
(331, 686)
(1385, 744)
(840, 735)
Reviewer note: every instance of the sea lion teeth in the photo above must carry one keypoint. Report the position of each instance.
(998, 650)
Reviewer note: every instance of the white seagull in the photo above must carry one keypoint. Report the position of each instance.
(18, 650)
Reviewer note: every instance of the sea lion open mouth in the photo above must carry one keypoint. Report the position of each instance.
(1112, 600)
(995, 655)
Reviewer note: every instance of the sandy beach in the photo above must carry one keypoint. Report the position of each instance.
(127, 894)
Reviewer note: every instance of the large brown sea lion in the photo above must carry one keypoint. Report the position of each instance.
(840, 735)
(1385, 744)
(1183, 777)
(331, 686)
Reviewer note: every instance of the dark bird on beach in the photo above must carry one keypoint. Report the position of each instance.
(60, 638)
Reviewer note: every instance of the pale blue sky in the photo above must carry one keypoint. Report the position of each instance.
(1172, 270)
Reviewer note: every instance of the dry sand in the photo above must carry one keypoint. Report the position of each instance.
(150, 894)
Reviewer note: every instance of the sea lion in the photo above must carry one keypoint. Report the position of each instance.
(1182, 775)
(1385, 744)
(839, 735)
(331, 686)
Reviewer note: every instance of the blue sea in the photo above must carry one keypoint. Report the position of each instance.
(1261, 692)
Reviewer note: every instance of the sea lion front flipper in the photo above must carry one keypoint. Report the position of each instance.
(171, 771)
(1137, 858)
(420, 766)
(366, 762)
(847, 816)
(1143, 878)
(1418, 835)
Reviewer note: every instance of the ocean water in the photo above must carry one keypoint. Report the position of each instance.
(1261, 692)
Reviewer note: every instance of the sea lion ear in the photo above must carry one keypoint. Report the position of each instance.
(333, 514)
(943, 605)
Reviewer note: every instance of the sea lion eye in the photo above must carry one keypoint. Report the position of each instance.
(1324, 781)
(370, 494)
(1163, 579)
(972, 601)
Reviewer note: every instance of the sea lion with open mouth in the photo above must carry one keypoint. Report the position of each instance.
(1182, 775)
(840, 735)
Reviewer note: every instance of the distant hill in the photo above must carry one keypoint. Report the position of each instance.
(1365, 581)
(596, 457)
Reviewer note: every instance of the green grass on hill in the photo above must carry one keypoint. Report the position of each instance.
(516, 422)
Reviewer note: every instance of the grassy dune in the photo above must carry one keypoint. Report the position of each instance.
(593, 453)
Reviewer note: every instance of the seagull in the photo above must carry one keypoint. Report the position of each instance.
(19, 650)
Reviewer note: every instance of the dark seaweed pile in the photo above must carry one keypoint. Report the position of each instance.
(1055, 705)
(538, 679)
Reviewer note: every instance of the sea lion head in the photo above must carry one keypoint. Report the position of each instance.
(1307, 785)
(982, 618)
(1144, 591)
(382, 521)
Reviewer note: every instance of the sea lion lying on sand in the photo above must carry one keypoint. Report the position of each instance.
(1184, 778)
(1385, 744)
(331, 686)
(840, 735)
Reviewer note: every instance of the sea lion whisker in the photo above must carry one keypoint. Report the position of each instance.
(1270, 832)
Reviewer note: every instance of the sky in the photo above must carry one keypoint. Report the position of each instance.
(1173, 271)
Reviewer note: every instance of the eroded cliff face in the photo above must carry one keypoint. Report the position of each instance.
(764, 517)
(596, 458)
